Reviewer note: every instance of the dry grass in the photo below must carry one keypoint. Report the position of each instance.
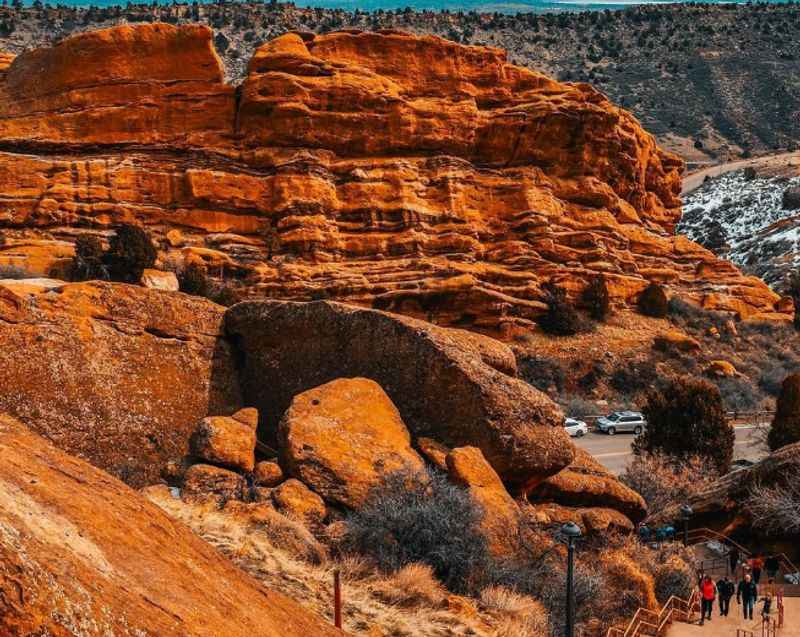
(408, 603)
(521, 615)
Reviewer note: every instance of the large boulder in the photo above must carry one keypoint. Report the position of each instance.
(344, 438)
(587, 483)
(117, 374)
(440, 383)
(83, 554)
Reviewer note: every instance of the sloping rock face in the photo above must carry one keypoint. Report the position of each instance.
(82, 554)
(442, 388)
(388, 170)
(116, 374)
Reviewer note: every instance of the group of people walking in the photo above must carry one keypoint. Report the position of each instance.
(724, 589)
(746, 591)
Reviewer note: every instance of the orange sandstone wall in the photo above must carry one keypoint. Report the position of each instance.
(401, 172)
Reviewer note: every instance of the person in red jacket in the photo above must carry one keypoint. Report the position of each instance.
(708, 593)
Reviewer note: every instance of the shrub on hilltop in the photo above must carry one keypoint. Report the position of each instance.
(785, 428)
(130, 252)
(653, 301)
(686, 418)
(561, 318)
(596, 299)
(87, 264)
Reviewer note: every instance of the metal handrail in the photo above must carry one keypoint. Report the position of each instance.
(704, 533)
(662, 618)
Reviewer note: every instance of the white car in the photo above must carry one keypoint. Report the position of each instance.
(576, 428)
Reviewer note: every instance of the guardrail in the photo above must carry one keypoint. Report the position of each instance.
(756, 417)
(656, 623)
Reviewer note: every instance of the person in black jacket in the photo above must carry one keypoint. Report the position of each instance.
(725, 590)
(733, 557)
(772, 565)
(747, 594)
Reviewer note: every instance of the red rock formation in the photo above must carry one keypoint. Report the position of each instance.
(82, 554)
(117, 374)
(389, 170)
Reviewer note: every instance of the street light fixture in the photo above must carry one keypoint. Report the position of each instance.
(686, 514)
(572, 532)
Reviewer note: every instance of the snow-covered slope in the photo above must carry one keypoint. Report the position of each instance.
(742, 220)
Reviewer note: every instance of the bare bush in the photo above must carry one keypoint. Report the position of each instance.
(776, 509)
(674, 577)
(431, 521)
(662, 479)
(13, 272)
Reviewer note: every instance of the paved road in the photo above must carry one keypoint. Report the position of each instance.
(614, 451)
(694, 180)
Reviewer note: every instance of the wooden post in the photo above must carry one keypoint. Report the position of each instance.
(337, 599)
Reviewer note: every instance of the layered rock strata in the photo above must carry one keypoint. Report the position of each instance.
(389, 170)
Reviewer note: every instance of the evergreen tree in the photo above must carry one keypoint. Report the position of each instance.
(595, 298)
(786, 425)
(653, 301)
(685, 418)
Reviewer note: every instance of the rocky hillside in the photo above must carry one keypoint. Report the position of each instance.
(722, 82)
(328, 423)
(449, 187)
(83, 554)
(749, 218)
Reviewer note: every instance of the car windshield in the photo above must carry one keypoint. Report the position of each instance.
(614, 417)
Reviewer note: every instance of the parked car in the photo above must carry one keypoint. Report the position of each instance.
(622, 421)
(576, 428)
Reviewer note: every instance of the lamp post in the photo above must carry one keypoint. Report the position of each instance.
(686, 514)
(572, 532)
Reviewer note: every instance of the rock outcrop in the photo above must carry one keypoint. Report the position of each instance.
(501, 517)
(440, 386)
(116, 374)
(344, 439)
(400, 172)
(83, 554)
(587, 483)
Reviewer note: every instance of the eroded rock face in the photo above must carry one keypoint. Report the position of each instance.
(92, 557)
(344, 439)
(116, 374)
(441, 388)
(407, 173)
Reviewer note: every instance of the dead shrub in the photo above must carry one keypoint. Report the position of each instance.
(662, 479)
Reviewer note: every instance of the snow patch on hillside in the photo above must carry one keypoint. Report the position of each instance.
(742, 220)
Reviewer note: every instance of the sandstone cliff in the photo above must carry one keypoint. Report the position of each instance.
(116, 374)
(388, 170)
(82, 554)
